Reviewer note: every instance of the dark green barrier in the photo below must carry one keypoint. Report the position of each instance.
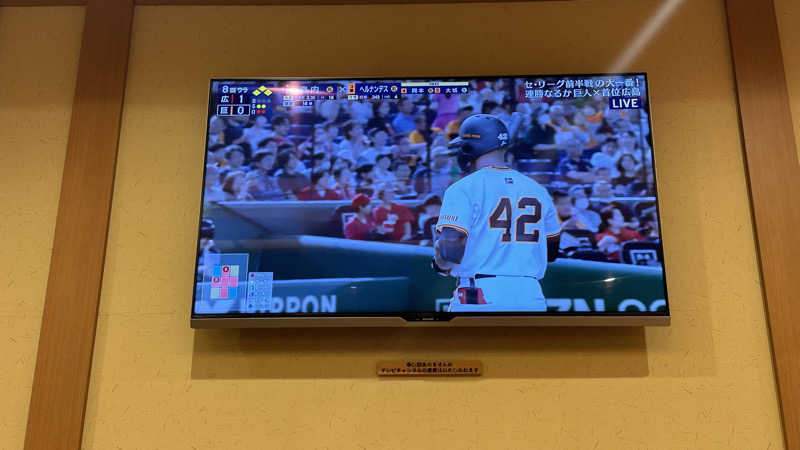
(326, 295)
(340, 294)
(569, 285)
(230, 225)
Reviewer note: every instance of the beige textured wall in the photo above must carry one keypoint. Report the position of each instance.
(39, 50)
(788, 14)
(706, 382)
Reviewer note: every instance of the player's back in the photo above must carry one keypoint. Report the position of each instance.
(508, 217)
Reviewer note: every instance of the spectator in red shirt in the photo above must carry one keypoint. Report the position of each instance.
(394, 218)
(320, 188)
(360, 227)
(614, 232)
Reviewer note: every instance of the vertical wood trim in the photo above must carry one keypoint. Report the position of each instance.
(254, 2)
(774, 175)
(66, 341)
(42, 2)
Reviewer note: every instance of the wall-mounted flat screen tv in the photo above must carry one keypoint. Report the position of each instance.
(492, 200)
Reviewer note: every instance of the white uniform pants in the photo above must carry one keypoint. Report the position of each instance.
(506, 294)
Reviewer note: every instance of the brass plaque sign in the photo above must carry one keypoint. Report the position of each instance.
(429, 368)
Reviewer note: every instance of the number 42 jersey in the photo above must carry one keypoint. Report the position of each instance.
(507, 217)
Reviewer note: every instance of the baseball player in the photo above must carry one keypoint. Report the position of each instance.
(497, 228)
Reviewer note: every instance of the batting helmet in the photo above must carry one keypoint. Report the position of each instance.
(479, 134)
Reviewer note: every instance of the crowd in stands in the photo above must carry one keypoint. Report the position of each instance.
(380, 155)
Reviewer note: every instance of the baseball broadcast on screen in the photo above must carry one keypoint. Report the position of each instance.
(488, 195)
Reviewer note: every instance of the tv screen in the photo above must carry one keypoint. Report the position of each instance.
(465, 201)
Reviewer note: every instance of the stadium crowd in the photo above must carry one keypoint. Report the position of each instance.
(595, 161)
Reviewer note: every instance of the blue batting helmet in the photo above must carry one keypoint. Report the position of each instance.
(479, 134)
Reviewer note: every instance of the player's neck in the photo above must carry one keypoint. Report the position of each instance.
(491, 159)
(493, 165)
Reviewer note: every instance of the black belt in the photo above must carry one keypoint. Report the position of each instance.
(478, 276)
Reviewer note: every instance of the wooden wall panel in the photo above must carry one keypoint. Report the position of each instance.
(788, 15)
(35, 106)
(774, 176)
(69, 320)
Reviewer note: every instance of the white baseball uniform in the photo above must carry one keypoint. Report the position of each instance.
(507, 217)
